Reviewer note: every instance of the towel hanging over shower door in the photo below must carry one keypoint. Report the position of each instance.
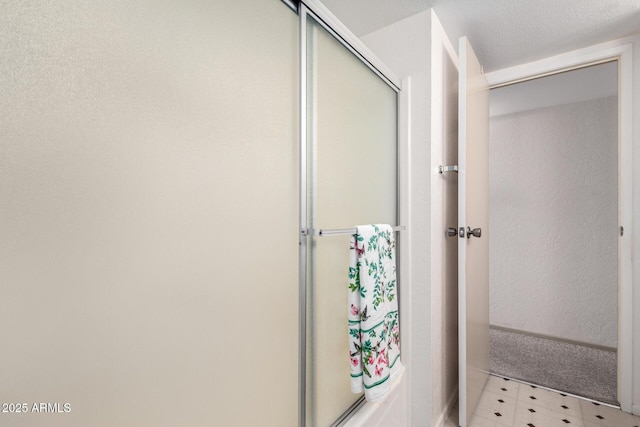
(374, 346)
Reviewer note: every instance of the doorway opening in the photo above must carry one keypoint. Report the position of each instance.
(555, 225)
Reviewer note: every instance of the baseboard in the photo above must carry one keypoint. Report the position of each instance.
(551, 337)
(448, 407)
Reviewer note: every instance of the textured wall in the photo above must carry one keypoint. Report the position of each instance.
(403, 47)
(635, 227)
(554, 221)
(444, 249)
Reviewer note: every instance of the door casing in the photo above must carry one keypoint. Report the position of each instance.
(621, 51)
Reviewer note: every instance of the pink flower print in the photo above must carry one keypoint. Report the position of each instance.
(383, 359)
(378, 370)
(354, 361)
(354, 310)
(371, 360)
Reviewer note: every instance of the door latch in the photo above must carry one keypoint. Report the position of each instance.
(476, 232)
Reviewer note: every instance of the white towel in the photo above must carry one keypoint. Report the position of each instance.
(374, 346)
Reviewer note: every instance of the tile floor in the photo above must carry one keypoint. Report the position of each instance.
(508, 403)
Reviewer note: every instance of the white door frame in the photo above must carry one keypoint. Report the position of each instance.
(620, 50)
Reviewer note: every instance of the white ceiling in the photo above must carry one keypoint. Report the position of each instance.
(504, 32)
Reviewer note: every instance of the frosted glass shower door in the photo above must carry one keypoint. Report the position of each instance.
(351, 176)
(148, 209)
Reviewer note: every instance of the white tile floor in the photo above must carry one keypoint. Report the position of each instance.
(507, 403)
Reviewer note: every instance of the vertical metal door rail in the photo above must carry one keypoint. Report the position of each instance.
(303, 239)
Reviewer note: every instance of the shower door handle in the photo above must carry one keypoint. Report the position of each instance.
(476, 232)
(452, 232)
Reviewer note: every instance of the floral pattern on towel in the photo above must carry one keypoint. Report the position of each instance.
(374, 342)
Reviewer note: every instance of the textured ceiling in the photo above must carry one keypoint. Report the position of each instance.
(504, 32)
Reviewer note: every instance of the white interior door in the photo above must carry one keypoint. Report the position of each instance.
(473, 241)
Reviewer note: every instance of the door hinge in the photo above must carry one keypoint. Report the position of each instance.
(621, 231)
(443, 169)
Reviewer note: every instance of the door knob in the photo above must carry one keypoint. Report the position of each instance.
(476, 232)
(452, 232)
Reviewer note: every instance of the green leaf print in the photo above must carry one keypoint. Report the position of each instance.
(391, 287)
(373, 269)
(383, 334)
(354, 280)
(365, 370)
(372, 245)
(377, 296)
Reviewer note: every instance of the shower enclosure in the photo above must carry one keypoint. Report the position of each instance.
(149, 210)
(349, 170)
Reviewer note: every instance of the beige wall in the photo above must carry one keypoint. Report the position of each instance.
(635, 228)
(148, 212)
(401, 46)
(444, 249)
(554, 221)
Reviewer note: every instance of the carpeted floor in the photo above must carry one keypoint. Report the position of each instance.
(576, 369)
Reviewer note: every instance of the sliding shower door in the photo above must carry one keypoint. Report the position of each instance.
(148, 210)
(351, 180)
